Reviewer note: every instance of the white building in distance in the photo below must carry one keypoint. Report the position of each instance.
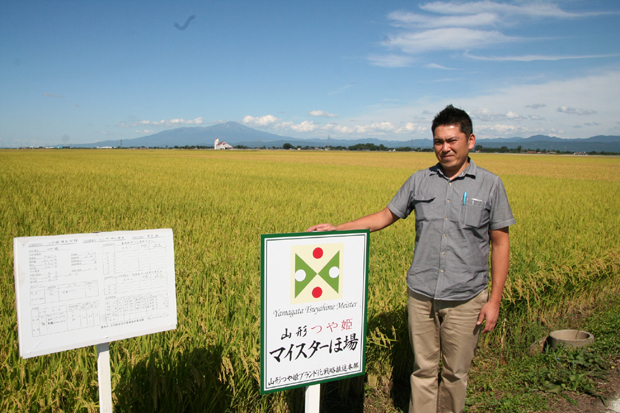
(221, 145)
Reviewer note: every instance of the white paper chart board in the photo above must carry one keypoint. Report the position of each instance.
(313, 307)
(85, 289)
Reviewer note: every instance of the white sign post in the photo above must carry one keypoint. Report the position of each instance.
(313, 399)
(79, 290)
(313, 310)
(105, 378)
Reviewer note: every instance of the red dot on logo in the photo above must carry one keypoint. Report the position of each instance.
(317, 253)
(317, 292)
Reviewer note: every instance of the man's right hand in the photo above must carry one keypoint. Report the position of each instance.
(322, 228)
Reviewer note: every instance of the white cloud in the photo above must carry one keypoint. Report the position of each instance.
(574, 111)
(527, 9)
(401, 19)
(452, 38)
(452, 25)
(366, 129)
(408, 128)
(382, 127)
(501, 129)
(373, 128)
(533, 58)
(436, 66)
(342, 89)
(305, 126)
(260, 121)
(145, 131)
(322, 113)
(163, 123)
(390, 60)
(486, 115)
(514, 116)
(339, 128)
(536, 106)
(178, 122)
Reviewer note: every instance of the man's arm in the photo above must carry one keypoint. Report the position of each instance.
(500, 258)
(373, 222)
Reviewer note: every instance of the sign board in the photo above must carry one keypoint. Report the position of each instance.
(84, 289)
(313, 307)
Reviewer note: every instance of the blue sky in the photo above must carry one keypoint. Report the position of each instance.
(87, 71)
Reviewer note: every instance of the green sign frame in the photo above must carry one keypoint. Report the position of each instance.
(314, 293)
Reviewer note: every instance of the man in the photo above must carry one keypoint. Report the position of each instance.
(460, 210)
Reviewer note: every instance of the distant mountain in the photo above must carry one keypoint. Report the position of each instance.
(603, 138)
(230, 132)
(237, 134)
(537, 138)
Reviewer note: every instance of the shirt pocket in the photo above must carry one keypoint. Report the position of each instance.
(423, 205)
(474, 213)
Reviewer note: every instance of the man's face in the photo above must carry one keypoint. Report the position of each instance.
(452, 148)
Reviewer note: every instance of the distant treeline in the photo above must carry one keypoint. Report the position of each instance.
(357, 147)
(520, 149)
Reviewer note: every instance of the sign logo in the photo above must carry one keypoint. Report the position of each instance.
(316, 273)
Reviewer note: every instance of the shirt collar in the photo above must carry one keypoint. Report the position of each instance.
(471, 170)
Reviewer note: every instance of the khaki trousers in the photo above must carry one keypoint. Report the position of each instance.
(445, 329)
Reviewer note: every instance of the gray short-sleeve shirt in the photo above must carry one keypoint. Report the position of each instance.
(453, 224)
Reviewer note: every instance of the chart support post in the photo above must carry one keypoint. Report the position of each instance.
(105, 378)
(313, 398)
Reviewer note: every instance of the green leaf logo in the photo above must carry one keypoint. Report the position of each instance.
(316, 273)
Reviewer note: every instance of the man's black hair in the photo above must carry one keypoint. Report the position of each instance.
(453, 116)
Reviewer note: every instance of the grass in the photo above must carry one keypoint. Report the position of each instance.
(528, 383)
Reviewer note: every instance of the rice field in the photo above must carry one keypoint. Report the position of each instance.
(565, 255)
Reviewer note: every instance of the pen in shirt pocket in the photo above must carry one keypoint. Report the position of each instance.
(464, 197)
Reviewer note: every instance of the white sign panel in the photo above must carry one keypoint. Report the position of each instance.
(313, 308)
(84, 289)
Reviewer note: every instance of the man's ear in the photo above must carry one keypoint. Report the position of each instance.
(471, 141)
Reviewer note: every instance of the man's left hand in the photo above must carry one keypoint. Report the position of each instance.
(490, 312)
